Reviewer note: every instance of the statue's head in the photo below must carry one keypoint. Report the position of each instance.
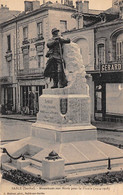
(55, 31)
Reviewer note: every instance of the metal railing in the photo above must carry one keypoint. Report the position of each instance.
(99, 160)
(66, 164)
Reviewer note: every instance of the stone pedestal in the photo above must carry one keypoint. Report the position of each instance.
(64, 114)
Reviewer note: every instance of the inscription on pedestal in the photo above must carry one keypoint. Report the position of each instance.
(48, 110)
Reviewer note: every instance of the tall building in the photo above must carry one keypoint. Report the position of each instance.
(100, 37)
(23, 41)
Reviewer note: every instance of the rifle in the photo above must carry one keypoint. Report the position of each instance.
(62, 60)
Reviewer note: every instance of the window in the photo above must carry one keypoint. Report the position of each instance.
(40, 61)
(63, 25)
(9, 42)
(40, 29)
(114, 98)
(101, 54)
(119, 47)
(26, 62)
(25, 33)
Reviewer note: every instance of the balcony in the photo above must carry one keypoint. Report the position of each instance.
(6, 80)
(30, 73)
(40, 37)
(25, 41)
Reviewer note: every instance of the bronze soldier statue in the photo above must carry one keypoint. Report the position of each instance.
(55, 64)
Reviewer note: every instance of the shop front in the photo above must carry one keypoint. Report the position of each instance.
(30, 98)
(29, 91)
(8, 98)
(108, 92)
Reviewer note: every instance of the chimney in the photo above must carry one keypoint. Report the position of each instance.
(28, 6)
(86, 7)
(36, 5)
(79, 5)
(4, 8)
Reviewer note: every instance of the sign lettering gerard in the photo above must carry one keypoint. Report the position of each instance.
(111, 67)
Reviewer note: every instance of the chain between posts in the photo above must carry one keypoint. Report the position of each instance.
(14, 158)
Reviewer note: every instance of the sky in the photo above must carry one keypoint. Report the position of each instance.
(93, 4)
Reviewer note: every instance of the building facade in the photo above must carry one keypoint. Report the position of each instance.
(102, 54)
(108, 72)
(23, 40)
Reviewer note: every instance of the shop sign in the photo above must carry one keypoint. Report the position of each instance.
(9, 58)
(40, 48)
(111, 67)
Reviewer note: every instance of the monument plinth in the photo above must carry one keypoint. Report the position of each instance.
(64, 114)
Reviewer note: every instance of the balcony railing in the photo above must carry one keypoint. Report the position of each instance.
(31, 71)
(6, 80)
(25, 41)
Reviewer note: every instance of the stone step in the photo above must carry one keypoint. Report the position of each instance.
(95, 166)
(8, 166)
(32, 170)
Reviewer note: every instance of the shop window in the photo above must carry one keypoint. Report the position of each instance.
(25, 33)
(119, 47)
(101, 54)
(9, 43)
(63, 25)
(38, 92)
(40, 30)
(40, 61)
(114, 98)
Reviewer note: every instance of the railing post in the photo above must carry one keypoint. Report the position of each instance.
(53, 167)
(109, 164)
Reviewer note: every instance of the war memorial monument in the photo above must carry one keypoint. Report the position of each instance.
(63, 127)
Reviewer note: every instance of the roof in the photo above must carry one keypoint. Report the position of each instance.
(43, 7)
(111, 10)
(96, 12)
(58, 6)
(4, 16)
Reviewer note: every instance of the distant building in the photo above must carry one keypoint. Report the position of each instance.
(100, 37)
(23, 41)
(6, 14)
(108, 70)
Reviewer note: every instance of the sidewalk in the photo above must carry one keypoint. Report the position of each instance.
(29, 118)
(108, 126)
(101, 125)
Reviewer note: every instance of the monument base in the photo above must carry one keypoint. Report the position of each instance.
(36, 149)
(64, 134)
(63, 125)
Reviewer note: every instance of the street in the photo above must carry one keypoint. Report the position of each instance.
(16, 129)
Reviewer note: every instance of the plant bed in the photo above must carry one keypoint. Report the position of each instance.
(20, 178)
(104, 178)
